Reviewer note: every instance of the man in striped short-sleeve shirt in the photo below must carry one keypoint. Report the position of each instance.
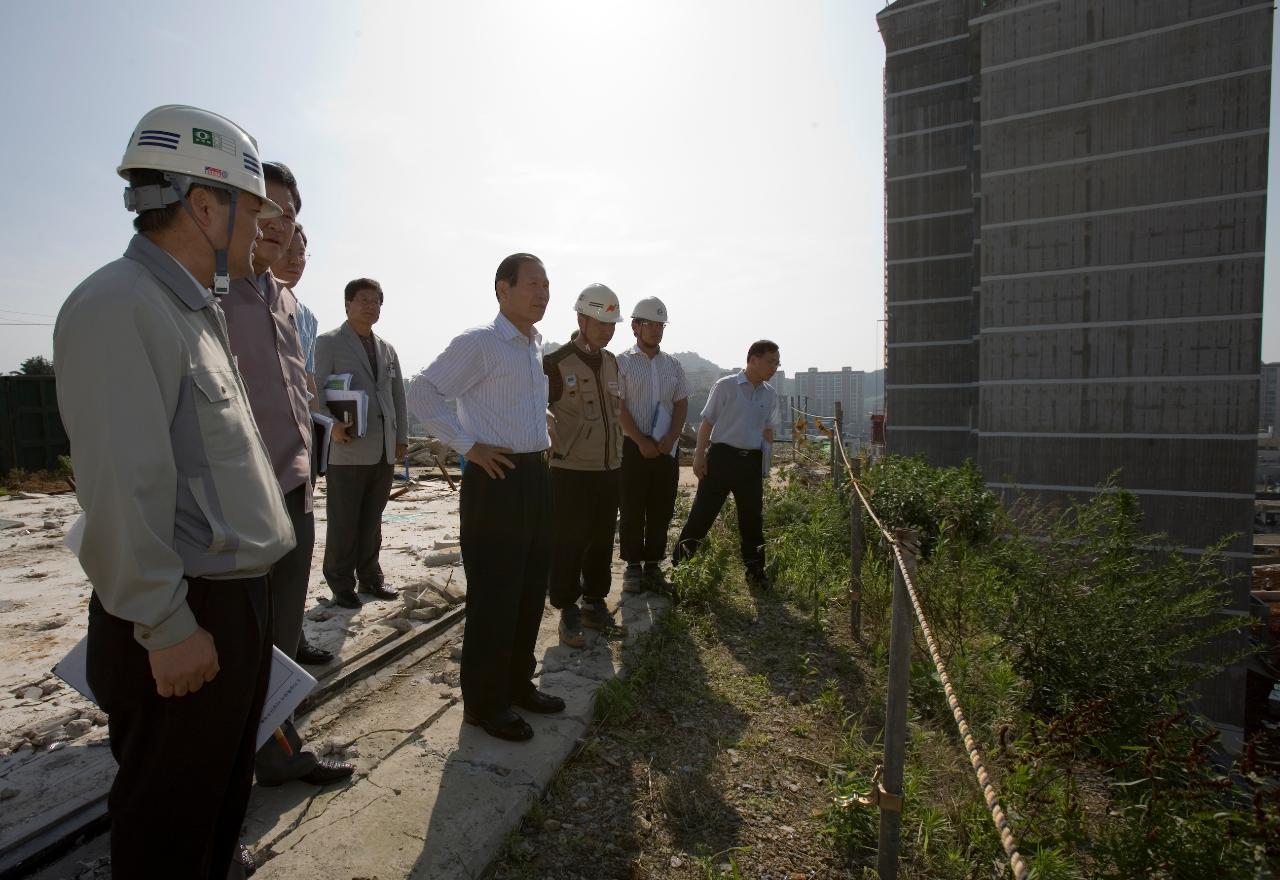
(656, 402)
(495, 374)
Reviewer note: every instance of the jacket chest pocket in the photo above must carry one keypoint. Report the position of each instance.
(590, 402)
(225, 431)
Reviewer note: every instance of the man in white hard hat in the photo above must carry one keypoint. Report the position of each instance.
(585, 395)
(737, 426)
(494, 372)
(183, 514)
(656, 397)
(262, 322)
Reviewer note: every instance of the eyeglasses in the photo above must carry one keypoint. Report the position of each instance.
(643, 323)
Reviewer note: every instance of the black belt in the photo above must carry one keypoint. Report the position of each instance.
(527, 457)
(734, 450)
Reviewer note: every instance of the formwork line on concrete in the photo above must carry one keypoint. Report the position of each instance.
(935, 343)
(932, 173)
(1122, 154)
(915, 132)
(929, 302)
(897, 427)
(931, 87)
(1114, 41)
(915, 218)
(935, 258)
(1106, 490)
(1129, 209)
(1135, 264)
(1138, 322)
(931, 386)
(888, 13)
(991, 16)
(1140, 93)
(1125, 380)
(928, 45)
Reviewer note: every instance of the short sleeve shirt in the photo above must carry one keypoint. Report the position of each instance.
(739, 412)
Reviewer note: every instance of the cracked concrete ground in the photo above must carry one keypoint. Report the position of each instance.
(432, 797)
(439, 801)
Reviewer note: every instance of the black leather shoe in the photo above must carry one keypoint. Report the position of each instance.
(244, 859)
(325, 772)
(379, 591)
(537, 701)
(313, 656)
(508, 726)
(346, 599)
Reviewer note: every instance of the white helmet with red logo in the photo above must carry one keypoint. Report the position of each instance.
(599, 302)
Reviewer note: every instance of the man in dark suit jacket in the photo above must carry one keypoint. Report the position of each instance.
(360, 468)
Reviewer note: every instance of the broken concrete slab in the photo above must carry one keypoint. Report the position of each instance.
(440, 802)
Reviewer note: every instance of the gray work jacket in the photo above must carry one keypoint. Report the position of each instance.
(170, 468)
(340, 351)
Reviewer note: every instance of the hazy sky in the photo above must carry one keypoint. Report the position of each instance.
(723, 155)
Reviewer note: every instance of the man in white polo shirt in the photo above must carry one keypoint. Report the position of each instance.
(737, 424)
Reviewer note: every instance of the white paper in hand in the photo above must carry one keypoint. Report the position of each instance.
(288, 685)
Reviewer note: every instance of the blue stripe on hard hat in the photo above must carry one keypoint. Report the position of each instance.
(170, 135)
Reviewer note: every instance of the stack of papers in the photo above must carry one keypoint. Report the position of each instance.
(349, 407)
(661, 425)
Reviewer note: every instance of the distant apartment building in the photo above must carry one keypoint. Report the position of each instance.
(820, 389)
(1075, 195)
(1269, 399)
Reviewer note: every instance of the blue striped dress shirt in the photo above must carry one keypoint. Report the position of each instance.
(495, 374)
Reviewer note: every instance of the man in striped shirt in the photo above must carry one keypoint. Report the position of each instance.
(656, 398)
(495, 374)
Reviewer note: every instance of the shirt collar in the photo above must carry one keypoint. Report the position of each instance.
(509, 331)
(169, 272)
(742, 378)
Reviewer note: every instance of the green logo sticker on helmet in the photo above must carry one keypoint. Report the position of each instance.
(205, 138)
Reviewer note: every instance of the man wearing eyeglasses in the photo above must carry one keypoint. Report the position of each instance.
(263, 330)
(656, 398)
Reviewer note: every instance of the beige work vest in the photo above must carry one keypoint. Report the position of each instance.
(588, 424)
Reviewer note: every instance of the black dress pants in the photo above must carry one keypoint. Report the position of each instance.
(357, 496)
(506, 553)
(186, 763)
(729, 469)
(584, 517)
(289, 579)
(647, 503)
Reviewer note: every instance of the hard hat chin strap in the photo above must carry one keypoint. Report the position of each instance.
(221, 274)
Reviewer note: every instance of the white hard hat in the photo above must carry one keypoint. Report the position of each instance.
(599, 302)
(191, 145)
(650, 309)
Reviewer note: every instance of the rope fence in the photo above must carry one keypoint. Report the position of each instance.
(890, 802)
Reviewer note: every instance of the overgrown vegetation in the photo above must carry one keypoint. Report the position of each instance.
(1074, 648)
